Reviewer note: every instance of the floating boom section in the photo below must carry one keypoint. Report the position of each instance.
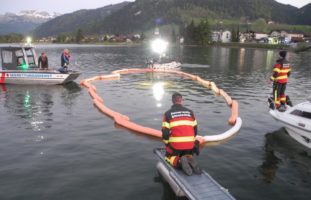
(234, 120)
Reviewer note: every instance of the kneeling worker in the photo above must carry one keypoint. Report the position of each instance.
(179, 128)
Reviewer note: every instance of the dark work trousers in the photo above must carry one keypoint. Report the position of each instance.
(279, 96)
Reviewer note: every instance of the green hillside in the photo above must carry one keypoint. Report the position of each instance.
(82, 19)
(143, 15)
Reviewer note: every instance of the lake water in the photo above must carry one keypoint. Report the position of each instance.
(56, 145)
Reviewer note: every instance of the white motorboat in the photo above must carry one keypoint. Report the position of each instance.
(297, 121)
(19, 65)
(165, 66)
(163, 62)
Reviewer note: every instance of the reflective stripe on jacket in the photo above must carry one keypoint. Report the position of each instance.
(281, 71)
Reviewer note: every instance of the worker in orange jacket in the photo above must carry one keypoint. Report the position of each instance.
(281, 72)
(179, 129)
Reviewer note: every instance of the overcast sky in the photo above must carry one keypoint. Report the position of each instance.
(67, 6)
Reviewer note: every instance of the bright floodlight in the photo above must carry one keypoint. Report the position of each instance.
(159, 46)
(28, 40)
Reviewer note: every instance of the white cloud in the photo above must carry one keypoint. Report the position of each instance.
(296, 3)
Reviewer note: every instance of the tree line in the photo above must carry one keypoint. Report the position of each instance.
(77, 38)
(199, 34)
(12, 38)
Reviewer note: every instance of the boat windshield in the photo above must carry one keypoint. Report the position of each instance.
(8, 61)
(301, 113)
(30, 57)
(17, 58)
(20, 57)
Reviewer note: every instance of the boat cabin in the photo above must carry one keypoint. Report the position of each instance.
(18, 58)
(303, 110)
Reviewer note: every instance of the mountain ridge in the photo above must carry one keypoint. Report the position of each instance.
(24, 21)
(81, 19)
(143, 15)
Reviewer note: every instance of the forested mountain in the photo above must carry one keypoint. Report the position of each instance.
(142, 15)
(304, 14)
(82, 19)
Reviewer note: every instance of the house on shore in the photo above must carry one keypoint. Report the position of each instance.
(221, 36)
(286, 37)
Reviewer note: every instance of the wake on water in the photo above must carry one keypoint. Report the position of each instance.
(188, 65)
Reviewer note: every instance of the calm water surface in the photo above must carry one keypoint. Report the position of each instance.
(56, 145)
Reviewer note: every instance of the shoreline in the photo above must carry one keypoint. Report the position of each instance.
(252, 45)
(299, 47)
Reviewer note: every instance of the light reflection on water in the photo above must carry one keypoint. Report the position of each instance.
(56, 145)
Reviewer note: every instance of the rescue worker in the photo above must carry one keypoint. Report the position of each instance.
(43, 62)
(65, 58)
(281, 72)
(179, 128)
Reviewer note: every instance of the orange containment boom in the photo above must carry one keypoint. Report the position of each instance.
(234, 120)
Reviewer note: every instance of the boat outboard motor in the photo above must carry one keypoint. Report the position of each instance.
(288, 101)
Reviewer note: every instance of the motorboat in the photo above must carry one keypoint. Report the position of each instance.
(159, 46)
(165, 66)
(19, 65)
(297, 121)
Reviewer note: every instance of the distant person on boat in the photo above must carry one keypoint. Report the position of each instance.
(150, 63)
(65, 58)
(281, 72)
(43, 61)
(179, 128)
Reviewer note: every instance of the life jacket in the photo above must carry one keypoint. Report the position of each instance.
(182, 127)
(281, 71)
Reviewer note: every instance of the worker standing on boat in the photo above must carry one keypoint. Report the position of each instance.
(43, 61)
(281, 72)
(65, 57)
(179, 128)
